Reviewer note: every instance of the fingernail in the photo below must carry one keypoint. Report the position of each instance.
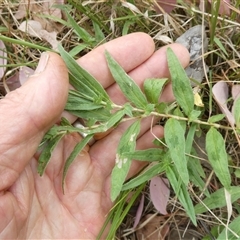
(42, 63)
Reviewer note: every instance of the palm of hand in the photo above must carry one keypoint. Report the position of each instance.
(34, 207)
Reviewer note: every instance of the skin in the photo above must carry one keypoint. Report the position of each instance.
(34, 207)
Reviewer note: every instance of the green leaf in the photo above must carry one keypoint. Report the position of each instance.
(81, 80)
(234, 226)
(220, 45)
(77, 149)
(182, 89)
(147, 174)
(217, 199)
(81, 32)
(151, 154)
(127, 144)
(216, 118)
(153, 88)
(175, 140)
(181, 192)
(129, 88)
(194, 114)
(47, 153)
(217, 156)
(236, 112)
(99, 35)
(178, 112)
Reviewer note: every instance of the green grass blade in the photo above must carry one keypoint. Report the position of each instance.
(175, 140)
(181, 192)
(216, 151)
(129, 88)
(182, 89)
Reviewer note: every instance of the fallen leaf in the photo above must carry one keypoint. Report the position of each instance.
(13, 81)
(220, 92)
(153, 227)
(34, 28)
(223, 9)
(139, 212)
(24, 73)
(31, 27)
(167, 6)
(235, 91)
(159, 193)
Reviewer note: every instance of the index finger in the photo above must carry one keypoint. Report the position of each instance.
(129, 51)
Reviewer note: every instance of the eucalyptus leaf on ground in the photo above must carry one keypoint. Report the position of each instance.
(175, 140)
(129, 88)
(127, 144)
(181, 86)
(216, 151)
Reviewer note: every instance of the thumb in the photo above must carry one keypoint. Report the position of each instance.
(27, 113)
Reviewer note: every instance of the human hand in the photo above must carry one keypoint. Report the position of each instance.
(34, 207)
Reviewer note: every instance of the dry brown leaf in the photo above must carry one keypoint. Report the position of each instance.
(34, 28)
(166, 5)
(159, 193)
(13, 82)
(153, 229)
(220, 92)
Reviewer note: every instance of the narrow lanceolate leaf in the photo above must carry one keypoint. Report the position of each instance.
(77, 149)
(127, 144)
(217, 156)
(146, 175)
(236, 112)
(83, 81)
(129, 88)
(181, 192)
(151, 154)
(47, 153)
(175, 140)
(180, 83)
(153, 88)
(217, 199)
(81, 32)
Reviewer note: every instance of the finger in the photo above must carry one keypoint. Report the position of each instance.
(154, 67)
(129, 51)
(27, 113)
